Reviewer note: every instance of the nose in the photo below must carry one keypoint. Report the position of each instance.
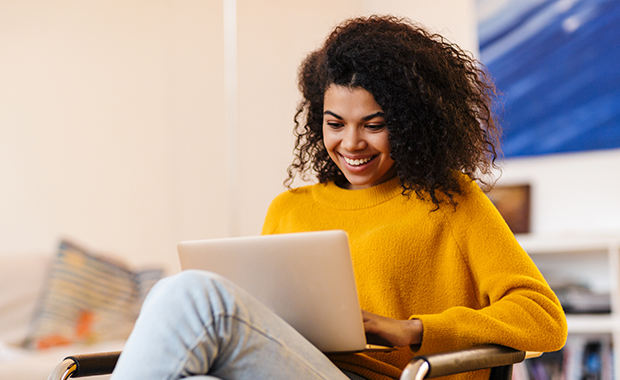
(353, 139)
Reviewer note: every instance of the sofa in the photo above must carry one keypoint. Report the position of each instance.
(50, 307)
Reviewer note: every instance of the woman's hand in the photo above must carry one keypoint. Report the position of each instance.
(398, 332)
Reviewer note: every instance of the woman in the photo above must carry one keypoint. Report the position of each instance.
(396, 124)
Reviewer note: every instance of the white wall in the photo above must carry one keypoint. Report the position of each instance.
(571, 194)
(113, 128)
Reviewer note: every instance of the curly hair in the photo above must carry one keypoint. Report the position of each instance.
(437, 100)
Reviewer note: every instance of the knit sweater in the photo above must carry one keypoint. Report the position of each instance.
(458, 269)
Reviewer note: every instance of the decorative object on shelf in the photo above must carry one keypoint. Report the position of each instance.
(513, 202)
(580, 299)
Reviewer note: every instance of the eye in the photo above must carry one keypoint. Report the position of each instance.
(375, 127)
(334, 124)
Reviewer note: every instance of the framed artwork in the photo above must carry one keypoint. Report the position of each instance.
(557, 65)
(513, 203)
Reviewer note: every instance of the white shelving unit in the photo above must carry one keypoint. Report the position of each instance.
(594, 261)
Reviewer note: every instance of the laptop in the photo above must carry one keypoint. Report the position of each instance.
(306, 278)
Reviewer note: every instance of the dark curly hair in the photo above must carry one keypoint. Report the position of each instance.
(436, 98)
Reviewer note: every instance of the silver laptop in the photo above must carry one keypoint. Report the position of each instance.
(306, 278)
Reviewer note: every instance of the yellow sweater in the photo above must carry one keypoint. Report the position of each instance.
(460, 271)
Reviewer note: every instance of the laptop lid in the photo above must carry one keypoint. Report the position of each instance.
(306, 278)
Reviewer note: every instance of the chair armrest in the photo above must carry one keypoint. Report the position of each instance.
(85, 365)
(465, 360)
(420, 367)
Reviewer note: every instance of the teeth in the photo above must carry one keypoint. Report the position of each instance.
(357, 162)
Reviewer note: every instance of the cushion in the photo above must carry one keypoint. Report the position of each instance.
(87, 298)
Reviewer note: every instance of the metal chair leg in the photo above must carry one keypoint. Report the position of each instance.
(63, 370)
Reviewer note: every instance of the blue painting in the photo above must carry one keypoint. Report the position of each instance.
(557, 65)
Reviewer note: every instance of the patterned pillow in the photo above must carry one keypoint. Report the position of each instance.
(87, 298)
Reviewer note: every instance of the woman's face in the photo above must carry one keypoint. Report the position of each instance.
(356, 137)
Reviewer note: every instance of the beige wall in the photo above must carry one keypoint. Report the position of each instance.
(453, 19)
(110, 122)
(113, 127)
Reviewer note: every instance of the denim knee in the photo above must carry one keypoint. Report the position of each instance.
(192, 279)
(190, 286)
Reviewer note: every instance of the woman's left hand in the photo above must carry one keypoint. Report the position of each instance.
(398, 332)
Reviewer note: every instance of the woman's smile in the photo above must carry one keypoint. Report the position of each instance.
(357, 161)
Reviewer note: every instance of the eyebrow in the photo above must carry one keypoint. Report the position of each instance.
(365, 118)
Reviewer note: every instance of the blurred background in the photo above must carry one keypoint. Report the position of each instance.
(131, 125)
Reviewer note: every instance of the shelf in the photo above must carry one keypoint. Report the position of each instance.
(590, 323)
(566, 244)
(592, 261)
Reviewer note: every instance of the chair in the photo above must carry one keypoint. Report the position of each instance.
(500, 359)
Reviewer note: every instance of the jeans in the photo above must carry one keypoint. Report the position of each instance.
(198, 324)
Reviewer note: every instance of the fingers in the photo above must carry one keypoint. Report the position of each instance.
(397, 332)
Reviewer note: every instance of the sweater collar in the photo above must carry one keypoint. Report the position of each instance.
(333, 196)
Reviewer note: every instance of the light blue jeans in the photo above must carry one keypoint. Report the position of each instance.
(198, 324)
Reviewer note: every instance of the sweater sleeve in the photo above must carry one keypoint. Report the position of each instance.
(518, 309)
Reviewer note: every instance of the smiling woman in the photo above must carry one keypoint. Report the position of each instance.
(356, 137)
(388, 110)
